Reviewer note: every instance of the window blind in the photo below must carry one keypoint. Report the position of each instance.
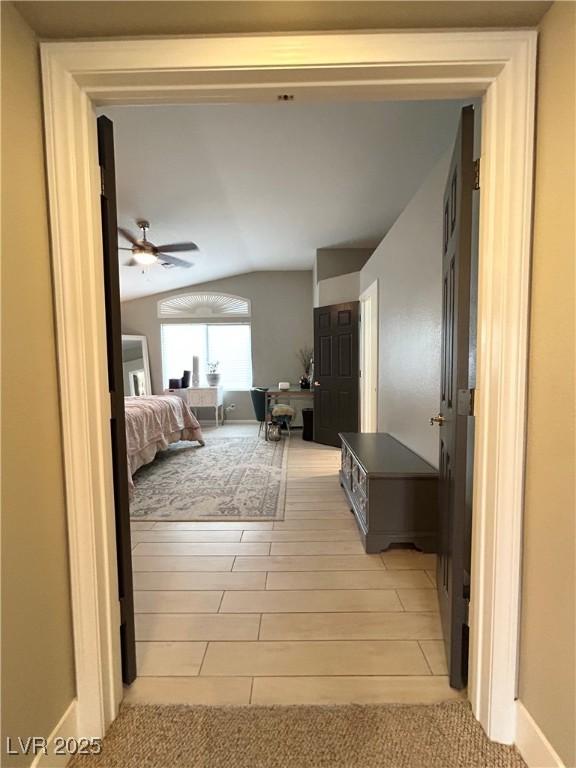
(228, 344)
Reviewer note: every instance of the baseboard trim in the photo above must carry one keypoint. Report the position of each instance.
(531, 742)
(66, 728)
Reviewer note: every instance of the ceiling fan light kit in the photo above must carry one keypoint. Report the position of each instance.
(145, 259)
(145, 253)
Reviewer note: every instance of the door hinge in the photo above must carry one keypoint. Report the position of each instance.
(102, 182)
(465, 402)
(477, 174)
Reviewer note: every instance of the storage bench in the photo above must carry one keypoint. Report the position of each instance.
(393, 493)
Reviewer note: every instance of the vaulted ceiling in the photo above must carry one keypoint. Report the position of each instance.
(261, 187)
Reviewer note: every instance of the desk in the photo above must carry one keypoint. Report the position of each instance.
(294, 393)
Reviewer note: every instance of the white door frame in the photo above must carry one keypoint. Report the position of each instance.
(369, 359)
(498, 65)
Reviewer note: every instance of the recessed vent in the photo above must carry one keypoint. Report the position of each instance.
(203, 306)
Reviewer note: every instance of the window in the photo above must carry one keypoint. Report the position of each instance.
(228, 344)
(204, 306)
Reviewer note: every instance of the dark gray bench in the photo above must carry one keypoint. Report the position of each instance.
(393, 493)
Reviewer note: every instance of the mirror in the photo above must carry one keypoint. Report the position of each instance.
(135, 366)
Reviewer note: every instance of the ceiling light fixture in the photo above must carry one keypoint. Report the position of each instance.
(144, 258)
(145, 253)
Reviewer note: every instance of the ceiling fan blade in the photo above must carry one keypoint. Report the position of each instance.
(173, 261)
(128, 235)
(175, 247)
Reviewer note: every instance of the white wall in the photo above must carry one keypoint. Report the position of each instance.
(408, 264)
(335, 290)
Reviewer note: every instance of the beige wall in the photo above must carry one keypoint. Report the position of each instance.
(332, 262)
(281, 324)
(336, 274)
(335, 290)
(90, 18)
(37, 658)
(547, 666)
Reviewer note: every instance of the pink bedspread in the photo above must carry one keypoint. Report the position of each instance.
(152, 423)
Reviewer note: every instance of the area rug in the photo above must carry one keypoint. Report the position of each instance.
(230, 478)
(351, 736)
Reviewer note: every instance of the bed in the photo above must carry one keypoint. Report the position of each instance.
(152, 423)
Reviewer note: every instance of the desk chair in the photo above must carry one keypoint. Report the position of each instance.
(280, 413)
(283, 415)
(258, 395)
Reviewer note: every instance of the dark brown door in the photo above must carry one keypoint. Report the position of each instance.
(335, 371)
(116, 387)
(456, 398)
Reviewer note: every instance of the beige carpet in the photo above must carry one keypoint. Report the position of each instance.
(352, 736)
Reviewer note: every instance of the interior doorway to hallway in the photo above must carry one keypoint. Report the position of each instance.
(185, 577)
(473, 63)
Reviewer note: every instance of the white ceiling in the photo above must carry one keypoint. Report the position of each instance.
(261, 187)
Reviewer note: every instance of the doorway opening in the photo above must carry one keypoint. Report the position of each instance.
(369, 358)
(76, 74)
(207, 524)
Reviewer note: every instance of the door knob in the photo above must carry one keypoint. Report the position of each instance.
(437, 420)
(316, 383)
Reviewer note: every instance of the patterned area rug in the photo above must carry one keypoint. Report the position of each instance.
(231, 478)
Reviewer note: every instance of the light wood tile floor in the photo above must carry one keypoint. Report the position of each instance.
(286, 612)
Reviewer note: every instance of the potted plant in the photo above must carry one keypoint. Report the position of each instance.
(213, 377)
(305, 355)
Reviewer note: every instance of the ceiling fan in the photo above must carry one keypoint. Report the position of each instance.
(145, 253)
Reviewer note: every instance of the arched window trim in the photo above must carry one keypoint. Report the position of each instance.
(204, 305)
